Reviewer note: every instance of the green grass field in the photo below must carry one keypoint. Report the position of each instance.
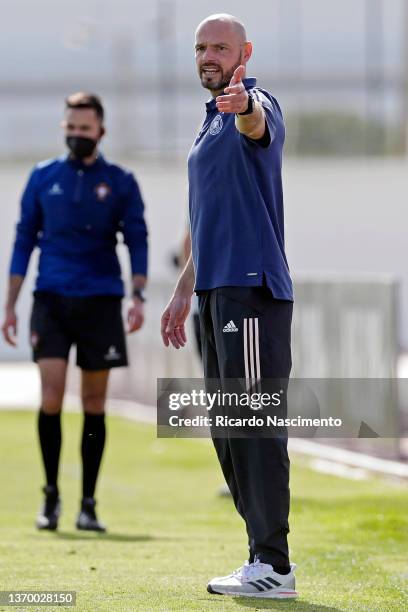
(169, 532)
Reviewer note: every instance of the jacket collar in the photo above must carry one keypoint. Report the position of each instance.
(78, 164)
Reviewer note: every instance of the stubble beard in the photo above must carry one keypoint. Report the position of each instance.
(223, 82)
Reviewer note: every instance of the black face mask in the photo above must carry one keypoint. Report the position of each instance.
(80, 146)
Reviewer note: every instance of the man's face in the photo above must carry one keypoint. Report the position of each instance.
(82, 122)
(218, 52)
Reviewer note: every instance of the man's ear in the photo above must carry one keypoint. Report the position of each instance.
(247, 52)
(103, 131)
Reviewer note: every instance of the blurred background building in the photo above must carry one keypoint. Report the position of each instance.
(340, 73)
(339, 70)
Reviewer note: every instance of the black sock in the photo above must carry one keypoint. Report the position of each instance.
(49, 432)
(281, 569)
(93, 442)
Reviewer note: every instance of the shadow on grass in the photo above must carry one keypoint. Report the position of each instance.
(92, 536)
(278, 604)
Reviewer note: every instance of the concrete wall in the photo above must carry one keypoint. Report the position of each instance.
(342, 218)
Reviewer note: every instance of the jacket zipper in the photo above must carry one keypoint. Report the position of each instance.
(78, 186)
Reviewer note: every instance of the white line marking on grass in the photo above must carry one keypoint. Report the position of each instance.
(339, 469)
(350, 458)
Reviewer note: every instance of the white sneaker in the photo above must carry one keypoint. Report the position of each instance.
(256, 580)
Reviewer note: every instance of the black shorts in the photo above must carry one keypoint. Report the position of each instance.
(94, 324)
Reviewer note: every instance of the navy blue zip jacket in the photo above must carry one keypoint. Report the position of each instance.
(73, 212)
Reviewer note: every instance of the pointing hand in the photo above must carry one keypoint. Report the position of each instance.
(235, 99)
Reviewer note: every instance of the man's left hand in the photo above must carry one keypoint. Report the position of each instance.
(236, 98)
(135, 316)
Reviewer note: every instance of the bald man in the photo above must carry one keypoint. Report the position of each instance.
(239, 271)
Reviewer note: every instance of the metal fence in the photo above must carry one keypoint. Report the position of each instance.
(341, 329)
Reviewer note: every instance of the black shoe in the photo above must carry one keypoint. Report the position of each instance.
(50, 511)
(87, 519)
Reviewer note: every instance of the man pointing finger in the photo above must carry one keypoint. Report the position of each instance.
(239, 271)
(250, 119)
